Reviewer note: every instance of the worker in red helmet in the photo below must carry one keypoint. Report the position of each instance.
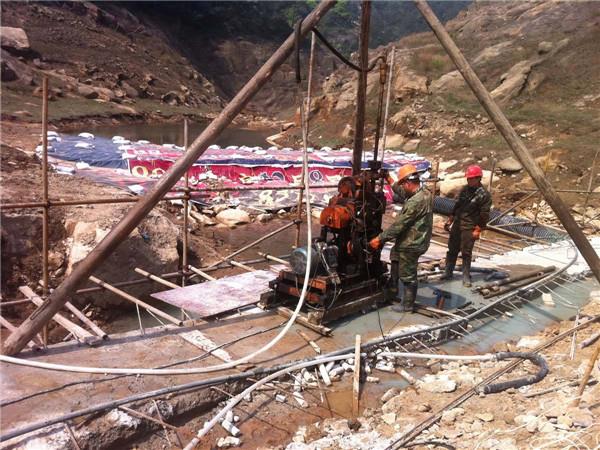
(469, 216)
(412, 234)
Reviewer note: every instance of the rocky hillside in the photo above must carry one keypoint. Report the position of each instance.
(539, 60)
(145, 59)
(101, 53)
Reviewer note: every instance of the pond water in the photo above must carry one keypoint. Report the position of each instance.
(172, 133)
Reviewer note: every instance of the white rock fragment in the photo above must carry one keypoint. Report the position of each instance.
(485, 417)
(389, 418)
(529, 342)
(547, 299)
(437, 384)
(231, 428)
(280, 398)
(229, 441)
(392, 392)
(300, 399)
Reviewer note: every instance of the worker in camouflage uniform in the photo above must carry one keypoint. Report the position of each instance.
(412, 233)
(469, 216)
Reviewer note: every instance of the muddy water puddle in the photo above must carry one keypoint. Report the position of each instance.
(172, 133)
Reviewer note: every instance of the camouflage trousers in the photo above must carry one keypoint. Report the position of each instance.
(403, 269)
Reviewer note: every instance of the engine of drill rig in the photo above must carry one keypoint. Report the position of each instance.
(352, 218)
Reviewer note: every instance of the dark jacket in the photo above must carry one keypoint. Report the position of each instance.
(473, 207)
(413, 226)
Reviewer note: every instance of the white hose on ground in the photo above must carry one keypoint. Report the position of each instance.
(486, 357)
(235, 400)
(197, 370)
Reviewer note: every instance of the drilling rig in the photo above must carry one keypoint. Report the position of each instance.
(346, 275)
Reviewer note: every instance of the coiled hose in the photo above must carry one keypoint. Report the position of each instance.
(519, 382)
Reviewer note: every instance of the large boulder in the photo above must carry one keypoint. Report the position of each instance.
(172, 98)
(452, 183)
(14, 40)
(232, 217)
(87, 91)
(510, 165)
(512, 82)
(447, 82)
(407, 84)
(493, 52)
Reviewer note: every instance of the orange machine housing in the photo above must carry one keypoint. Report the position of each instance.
(337, 216)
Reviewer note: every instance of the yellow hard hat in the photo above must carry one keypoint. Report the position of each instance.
(406, 172)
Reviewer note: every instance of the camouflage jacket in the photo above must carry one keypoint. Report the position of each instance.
(413, 226)
(473, 207)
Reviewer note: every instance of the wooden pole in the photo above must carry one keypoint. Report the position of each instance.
(590, 183)
(201, 273)
(186, 208)
(356, 382)
(137, 301)
(436, 174)
(95, 328)
(586, 375)
(383, 73)
(361, 90)
(514, 142)
(387, 105)
(10, 327)
(17, 340)
(156, 278)
(491, 185)
(305, 119)
(45, 211)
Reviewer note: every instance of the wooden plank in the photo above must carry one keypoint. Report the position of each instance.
(351, 307)
(286, 312)
(203, 342)
(311, 297)
(77, 331)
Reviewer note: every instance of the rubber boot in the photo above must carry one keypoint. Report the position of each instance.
(449, 270)
(408, 300)
(466, 269)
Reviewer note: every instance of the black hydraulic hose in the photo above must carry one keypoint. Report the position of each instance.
(115, 403)
(342, 58)
(297, 39)
(519, 382)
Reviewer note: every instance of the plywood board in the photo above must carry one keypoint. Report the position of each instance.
(225, 294)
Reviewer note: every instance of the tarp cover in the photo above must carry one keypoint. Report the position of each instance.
(140, 164)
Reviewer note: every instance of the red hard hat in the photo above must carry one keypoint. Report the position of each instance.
(473, 172)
